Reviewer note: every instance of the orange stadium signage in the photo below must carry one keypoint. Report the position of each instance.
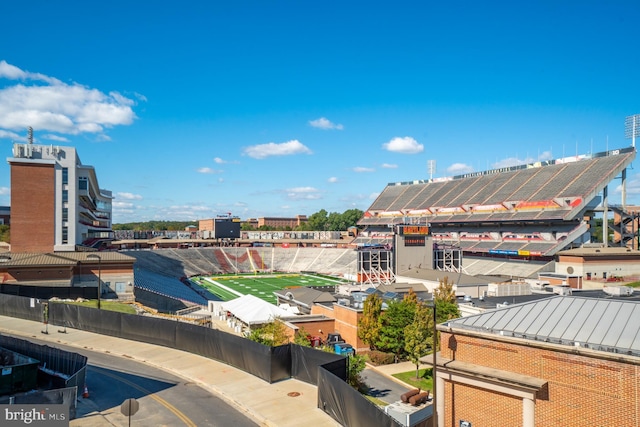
(413, 230)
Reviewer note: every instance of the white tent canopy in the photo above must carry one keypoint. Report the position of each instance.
(252, 310)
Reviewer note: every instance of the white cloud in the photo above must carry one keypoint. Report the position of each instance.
(53, 137)
(633, 186)
(219, 161)
(459, 168)
(405, 145)
(129, 196)
(389, 166)
(326, 124)
(505, 163)
(10, 135)
(361, 169)
(332, 179)
(288, 148)
(545, 155)
(5, 191)
(122, 205)
(208, 170)
(47, 104)
(515, 161)
(303, 193)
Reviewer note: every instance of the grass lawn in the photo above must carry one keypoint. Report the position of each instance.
(261, 286)
(424, 381)
(376, 401)
(105, 305)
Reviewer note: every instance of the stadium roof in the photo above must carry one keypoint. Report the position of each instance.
(610, 325)
(601, 252)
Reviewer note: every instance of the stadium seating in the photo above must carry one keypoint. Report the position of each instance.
(168, 287)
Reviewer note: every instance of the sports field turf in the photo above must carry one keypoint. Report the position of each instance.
(261, 286)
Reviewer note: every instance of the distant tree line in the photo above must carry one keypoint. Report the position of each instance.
(155, 225)
(319, 221)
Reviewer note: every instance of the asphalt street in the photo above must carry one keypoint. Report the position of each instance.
(382, 387)
(164, 399)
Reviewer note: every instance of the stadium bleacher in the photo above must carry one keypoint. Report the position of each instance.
(168, 287)
(548, 196)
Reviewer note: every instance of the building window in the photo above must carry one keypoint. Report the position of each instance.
(83, 184)
(65, 196)
(65, 214)
(65, 235)
(65, 176)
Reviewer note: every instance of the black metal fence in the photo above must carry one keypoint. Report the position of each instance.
(64, 390)
(46, 292)
(326, 370)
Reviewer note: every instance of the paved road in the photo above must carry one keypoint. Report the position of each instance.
(164, 399)
(382, 387)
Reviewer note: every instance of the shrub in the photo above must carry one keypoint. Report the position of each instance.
(380, 357)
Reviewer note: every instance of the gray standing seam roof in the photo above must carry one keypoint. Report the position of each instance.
(599, 324)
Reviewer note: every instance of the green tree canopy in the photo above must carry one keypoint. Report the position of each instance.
(369, 324)
(271, 334)
(418, 335)
(393, 321)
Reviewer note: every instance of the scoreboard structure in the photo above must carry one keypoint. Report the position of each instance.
(226, 228)
(413, 248)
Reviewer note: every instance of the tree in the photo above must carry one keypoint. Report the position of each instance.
(272, 334)
(369, 324)
(334, 222)
(318, 220)
(418, 335)
(351, 217)
(5, 233)
(393, 321)
(356, 366)
(444, 291)
(301, 337)
(444, 298)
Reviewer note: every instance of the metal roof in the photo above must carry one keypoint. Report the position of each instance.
(60, 258)
(599, 324)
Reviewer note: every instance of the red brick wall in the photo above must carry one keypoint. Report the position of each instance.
(32, 208)
(313, 328)
(581, 390)
(346, 323)
(463, 402)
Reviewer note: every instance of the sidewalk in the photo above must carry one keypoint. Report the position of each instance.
(270, 404)
(396, 368)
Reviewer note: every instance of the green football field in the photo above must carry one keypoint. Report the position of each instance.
(261, 286)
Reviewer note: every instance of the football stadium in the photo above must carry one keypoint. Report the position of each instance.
(494, 234)
(262, 286)
(510, 222)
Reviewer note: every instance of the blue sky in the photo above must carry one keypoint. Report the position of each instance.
(189, 110)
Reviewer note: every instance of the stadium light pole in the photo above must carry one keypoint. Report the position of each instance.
(632, 128)
(92, 256)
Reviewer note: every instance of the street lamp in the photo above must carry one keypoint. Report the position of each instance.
(93, 256)
(434, 415)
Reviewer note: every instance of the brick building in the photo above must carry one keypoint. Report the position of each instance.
(57, 206)
(56, 202)
(277, 222)
(561, 361)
